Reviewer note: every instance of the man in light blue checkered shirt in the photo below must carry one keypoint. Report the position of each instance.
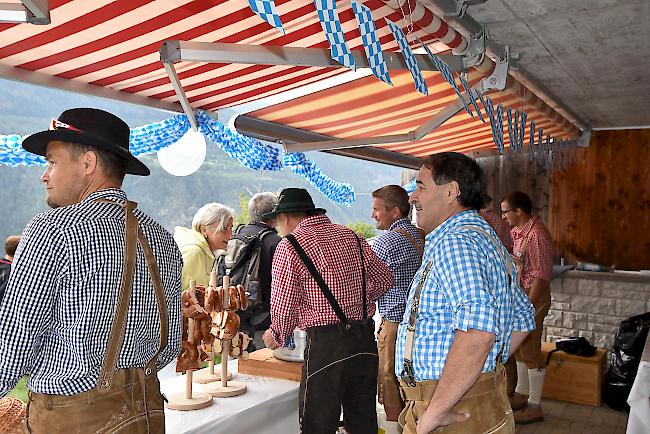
(400, 247)
(471, 316)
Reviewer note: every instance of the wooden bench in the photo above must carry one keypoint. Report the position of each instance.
(573, 378)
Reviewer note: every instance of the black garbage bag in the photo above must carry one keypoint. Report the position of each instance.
(624, 360)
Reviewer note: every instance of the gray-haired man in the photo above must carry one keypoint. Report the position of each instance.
(258, 318)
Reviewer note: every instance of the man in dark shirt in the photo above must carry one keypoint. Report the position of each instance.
(258, 317)
(11, 243)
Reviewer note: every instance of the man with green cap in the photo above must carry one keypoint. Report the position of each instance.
(325, 280)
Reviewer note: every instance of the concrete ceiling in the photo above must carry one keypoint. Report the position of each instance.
(593, 55)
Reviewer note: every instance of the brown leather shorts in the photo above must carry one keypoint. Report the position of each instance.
(388, 392)
(121, 409)
(486, 402)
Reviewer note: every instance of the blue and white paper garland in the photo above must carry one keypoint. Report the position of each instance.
(265, 9)
(371, 43)
(329, 20)
(409, 58)
(250, 152)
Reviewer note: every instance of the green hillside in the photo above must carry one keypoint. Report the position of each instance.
(170, 200)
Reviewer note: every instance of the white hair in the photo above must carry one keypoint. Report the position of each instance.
(212, 214)
(260, 204)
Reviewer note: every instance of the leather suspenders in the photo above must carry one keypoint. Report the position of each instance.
(132, 236)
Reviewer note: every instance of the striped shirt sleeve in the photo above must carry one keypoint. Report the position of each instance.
(28, 306)
(285, 292)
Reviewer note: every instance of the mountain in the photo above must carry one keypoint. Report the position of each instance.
(169, 199)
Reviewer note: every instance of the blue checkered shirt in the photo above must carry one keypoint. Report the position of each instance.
(403, 260)
(62, 294)
(467, 288)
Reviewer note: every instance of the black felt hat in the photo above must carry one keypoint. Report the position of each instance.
(89, 126)
(293, 200)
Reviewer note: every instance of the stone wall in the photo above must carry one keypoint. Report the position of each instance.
(593, 304)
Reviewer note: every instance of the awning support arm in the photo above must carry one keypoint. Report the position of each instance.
(496, 81)
(176, 84)
(177, 51)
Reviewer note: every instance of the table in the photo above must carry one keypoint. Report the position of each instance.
(639, 399)
(269, 405)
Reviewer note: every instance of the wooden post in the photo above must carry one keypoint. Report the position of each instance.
(188, 373)
(225, 343)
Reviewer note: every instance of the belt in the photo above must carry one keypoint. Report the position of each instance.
(423, 390)
(123, 379)
(340, 328)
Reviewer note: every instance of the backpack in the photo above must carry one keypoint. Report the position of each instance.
(242, 261)
(578, 346)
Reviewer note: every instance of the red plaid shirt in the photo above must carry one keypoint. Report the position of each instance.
(499, 225)
(296, 299)
(538, 262)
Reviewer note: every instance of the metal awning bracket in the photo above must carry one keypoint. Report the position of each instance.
(27, 11)
(585, 138)
(457, 8)
(497, 80)
(475, 51)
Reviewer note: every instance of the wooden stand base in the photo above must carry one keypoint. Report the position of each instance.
(204, 376)
(233, 388)
(197, 401)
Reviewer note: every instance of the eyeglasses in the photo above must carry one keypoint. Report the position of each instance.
(58, 125)
(507, 211)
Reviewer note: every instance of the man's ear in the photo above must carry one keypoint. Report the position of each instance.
(89, 162)
(453, 191)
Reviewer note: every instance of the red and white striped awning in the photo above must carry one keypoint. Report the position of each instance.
(111, 49)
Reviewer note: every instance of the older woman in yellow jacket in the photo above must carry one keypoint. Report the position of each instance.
(210, 232)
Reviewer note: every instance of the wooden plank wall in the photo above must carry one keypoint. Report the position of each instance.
(508, 173)
(600, 208)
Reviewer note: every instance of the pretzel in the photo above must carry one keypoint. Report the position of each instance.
(239, 344)
(188, 358)
(233, 295)
(243, 298)
(208, 304)
(227, 324)
(192, 308)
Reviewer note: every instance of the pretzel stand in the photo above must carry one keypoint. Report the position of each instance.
(190, 400)
(227, 336)
(208, 375)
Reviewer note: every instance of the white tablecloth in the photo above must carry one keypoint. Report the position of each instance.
(268, 406)
(638, 421)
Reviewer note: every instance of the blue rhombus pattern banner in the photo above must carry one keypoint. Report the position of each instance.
(371, 42)
(329, 20)
(412, 64)
(266, 10)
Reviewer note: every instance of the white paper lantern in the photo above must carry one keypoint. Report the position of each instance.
(185, 156)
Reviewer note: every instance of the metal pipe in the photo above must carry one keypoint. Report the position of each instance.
(425, 18)
(176, 51)
(468, 24)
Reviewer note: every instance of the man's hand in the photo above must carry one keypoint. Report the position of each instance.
(430, 421)
(268, 340)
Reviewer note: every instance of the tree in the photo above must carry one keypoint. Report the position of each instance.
(241, 215)
(363, 229)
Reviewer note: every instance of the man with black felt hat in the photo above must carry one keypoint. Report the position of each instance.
(325, 279)
(92, 307)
